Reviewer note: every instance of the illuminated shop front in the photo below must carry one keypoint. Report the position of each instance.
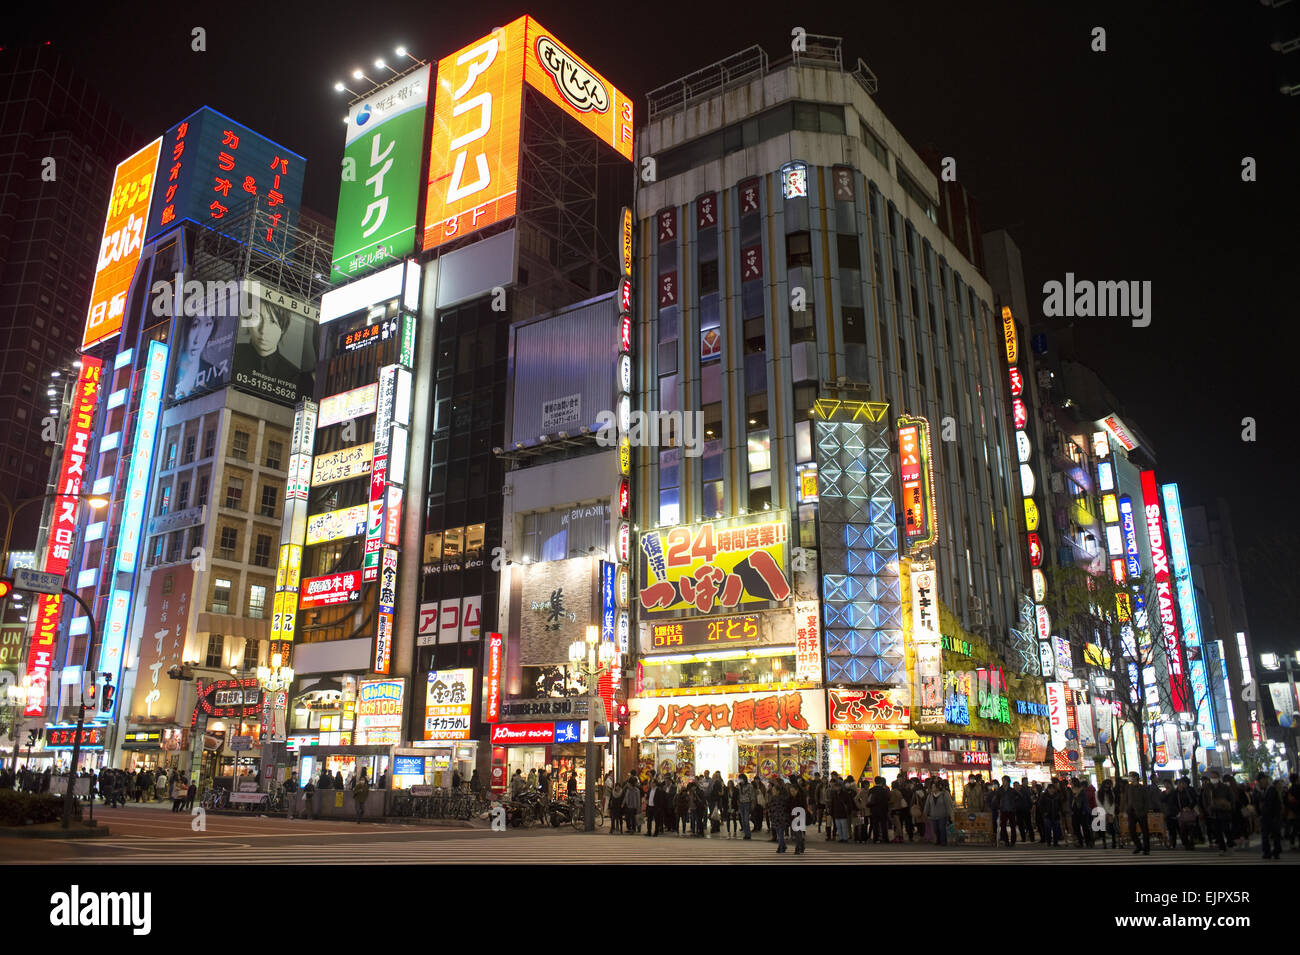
(777, 730)
(867, 729)
(559, 747)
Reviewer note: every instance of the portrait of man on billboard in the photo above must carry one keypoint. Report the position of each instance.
(275, 353)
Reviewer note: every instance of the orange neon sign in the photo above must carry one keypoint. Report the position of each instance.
(474, 155)
(119, 248)
(477, 114)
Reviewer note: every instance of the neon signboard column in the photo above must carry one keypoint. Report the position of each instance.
(137, 484)
(1165, 608)
(1186, 592)
(63, 525)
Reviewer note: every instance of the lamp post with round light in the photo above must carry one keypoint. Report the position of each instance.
(592, 663)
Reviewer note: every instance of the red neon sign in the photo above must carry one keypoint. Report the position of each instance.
(1164, 593)
(1035, 551)
(63, 527)
(496, 667)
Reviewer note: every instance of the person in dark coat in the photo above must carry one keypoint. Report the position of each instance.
(842, 809)
(778, 812)
(1140, 802)
(1270, 816)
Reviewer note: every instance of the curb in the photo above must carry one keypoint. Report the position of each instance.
(27, 832)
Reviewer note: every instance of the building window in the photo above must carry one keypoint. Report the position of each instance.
(183, 496)
(156, 556)
(171, 456)
(235, 492)
(262, 551)
(239, 449)
(188, 457)
(221, 596)
(209, 443)
(229, 542)
(164, 501)
(257, 601)
(174, 547)
(201, 493)
(216, 644)
(269, 493)
(274, 455)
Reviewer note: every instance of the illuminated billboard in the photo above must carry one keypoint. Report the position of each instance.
(1165, 608)
(1186, 592)
(213, 168)
(275, 351)
(477, 113)
(63, 523)
(377, 203)
(715, 565)
(120, 245)
(137, 483)
(570, 83)
(474, 144)
(916, 472)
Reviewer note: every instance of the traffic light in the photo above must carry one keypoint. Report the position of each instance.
(88, 696)
(6, 587)
(32, 736)
(106, 706)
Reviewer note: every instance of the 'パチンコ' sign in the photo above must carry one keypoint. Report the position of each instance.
(717, 565)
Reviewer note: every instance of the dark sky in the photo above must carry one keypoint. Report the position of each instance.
(1117, 165)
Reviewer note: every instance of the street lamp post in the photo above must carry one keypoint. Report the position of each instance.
(593, 664)
(1272, 661)
(69, 797)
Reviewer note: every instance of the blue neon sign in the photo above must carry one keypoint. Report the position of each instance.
(1186, 593)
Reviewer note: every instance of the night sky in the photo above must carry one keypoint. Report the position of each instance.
(1123, 165)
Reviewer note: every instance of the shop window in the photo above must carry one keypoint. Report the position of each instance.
(735, 668)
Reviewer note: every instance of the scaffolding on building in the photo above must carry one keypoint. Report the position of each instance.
(253, 244)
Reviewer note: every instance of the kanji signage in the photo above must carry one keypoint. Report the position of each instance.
(336, 525)
(925, 603)
(63, 525)
(447, 703)
(495, 674)
(379, 712)
(694, 632)
(119, 248)
(523, 734)
(346, 405)
(377, 204)
(716, 565)
(248, 690)
(213, 168)
(64, 736)
(858, 711)
(916, 471)
(331, 590)
(808, 641)
(729, 715)
(342, 465)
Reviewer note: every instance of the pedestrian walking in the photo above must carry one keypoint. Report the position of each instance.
(938, 810)
(631, 802)
(745, 804)
(778, 812)
(798, 816)
(180, 791)
(360, 791)
(1270, 816)
(1140, 802)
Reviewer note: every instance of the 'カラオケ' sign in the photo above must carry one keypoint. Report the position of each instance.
(716, 565)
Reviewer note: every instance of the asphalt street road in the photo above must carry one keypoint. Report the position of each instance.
(143, 835)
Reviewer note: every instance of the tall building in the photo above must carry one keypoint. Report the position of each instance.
(797, 293)
(200, 336)
(527, 169)
(57, 135)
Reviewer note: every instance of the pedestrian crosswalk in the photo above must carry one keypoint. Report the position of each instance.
(568, 847)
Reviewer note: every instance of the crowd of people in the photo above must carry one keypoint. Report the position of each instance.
(1218, 810)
